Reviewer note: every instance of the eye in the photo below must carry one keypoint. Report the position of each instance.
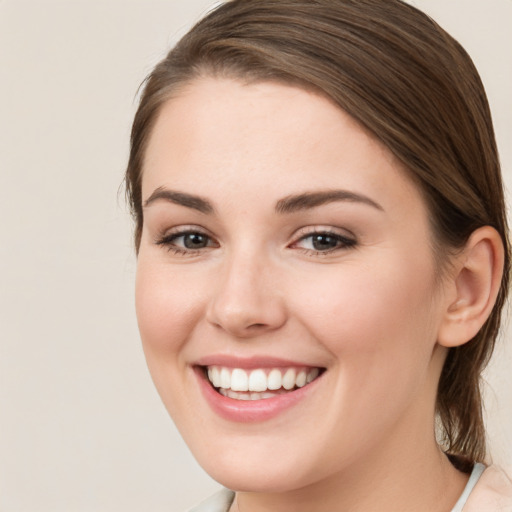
(322, 242)
(187, 241)
(192, 240)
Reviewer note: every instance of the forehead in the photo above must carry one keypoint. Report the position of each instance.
(262, 134)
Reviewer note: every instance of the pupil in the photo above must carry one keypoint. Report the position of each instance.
(194, 241)
(322, 242)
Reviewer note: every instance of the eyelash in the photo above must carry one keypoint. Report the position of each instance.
(343, 242)
(169, 241)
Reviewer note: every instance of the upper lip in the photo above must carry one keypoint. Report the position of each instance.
(249, 363)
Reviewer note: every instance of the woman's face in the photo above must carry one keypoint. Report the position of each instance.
(284, 247)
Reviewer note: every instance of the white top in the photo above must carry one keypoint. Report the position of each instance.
(219, 502)
(478, 469)
(492, 494)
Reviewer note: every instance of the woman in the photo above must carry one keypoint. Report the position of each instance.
(322, 256)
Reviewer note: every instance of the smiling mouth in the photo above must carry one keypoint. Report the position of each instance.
(259, 383)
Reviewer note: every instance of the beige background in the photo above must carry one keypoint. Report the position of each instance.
(81, 427)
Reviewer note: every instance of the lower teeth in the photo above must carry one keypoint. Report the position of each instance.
(254, 395)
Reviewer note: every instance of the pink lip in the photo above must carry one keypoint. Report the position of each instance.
(248, 411)
(249, 363)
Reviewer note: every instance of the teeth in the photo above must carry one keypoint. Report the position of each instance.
(236, 395)
(239, 380)
(225, 378)
(213, 375)
(289, 379)
(312, 375)
(275, 380)
(300, 381)
(259, 383)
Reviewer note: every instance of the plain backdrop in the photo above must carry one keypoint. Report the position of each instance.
(81, 427)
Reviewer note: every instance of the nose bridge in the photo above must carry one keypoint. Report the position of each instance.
(246, 301)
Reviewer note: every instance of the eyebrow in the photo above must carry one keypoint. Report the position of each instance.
(309, 200)
(180, 198)
(289, 204)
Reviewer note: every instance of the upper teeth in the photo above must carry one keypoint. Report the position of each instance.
(260, 379)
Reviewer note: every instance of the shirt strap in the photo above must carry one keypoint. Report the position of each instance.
(478, 469)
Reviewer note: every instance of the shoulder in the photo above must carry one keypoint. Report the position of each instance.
(492, 492)
(219, 502)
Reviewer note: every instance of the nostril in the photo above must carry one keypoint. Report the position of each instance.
(247, 315)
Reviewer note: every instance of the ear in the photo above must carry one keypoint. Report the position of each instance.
(474, 284)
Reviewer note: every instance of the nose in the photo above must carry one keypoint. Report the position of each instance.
(247, 301)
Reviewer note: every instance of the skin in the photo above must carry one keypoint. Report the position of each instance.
(369, 310)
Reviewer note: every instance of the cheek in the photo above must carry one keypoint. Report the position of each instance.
(376, 316)
(167, 308)
(378, 329)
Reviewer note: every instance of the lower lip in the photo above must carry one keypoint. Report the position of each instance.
(248, 411)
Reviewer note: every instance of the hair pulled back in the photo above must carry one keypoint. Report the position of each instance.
(408, 82)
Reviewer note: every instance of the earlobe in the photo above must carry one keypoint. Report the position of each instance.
(476, 283)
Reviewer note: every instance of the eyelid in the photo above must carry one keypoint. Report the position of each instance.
(321, 229)
(166, 238)
(348, 239)
(181, 229)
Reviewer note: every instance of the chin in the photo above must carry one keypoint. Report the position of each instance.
(264, 463)
(257, 476)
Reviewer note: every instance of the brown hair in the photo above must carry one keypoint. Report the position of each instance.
(406, 80)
